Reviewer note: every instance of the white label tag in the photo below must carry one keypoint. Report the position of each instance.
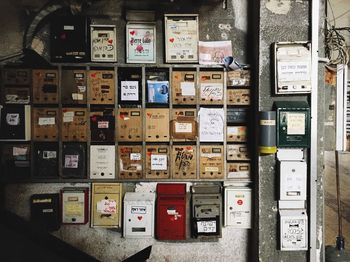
(69, 113)
(77, 96)
(102, 124)
(82, 89)
(138, 209)
(67, 119)
(295, 124)
(107, 206)
(214, 91)
(159, 162)
(49, 154)
(129, 90)
(135, 156)
(206, 226)
(46, 121)
(68, 27)
(183, 127)
(188, 89)
(71, 161)
(19, 151)
(12, 119)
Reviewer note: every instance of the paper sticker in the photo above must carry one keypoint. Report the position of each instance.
(295, 124)
(159, 162)
(212, 91)
(49, 154)
(19, 151)
(107, 206)
(158, 91)
(77, 96)
(188, 89)
(140, 43)
(129, 90)
(214, 52)
(102, 124)
(12, 119)
(211, 169)
(67, 119)
(233, 130)
(82, 89)
(135, 156)
(211, 124)
(206, 226)
(71, 161)
(73, 209)
(294, 71)
(138, 209)
(183, 127)
(46, 121)
(172, 212)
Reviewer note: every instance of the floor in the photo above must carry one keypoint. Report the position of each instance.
(331, 218)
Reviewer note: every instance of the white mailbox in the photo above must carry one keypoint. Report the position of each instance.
(293, 180)
(238, 207)
(102, 162)
(139, 211)
(294, 228)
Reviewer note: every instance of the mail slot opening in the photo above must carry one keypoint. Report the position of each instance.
(102, 174)
(138, 229)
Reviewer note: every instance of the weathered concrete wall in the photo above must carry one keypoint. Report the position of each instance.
(281, 21)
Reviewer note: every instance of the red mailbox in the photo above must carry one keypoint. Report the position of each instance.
(171, 211)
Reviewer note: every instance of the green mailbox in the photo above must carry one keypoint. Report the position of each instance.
(293, 124)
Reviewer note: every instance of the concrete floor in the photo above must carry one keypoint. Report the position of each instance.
(331, 218)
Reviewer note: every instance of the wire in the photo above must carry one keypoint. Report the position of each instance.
(330, 5)
(335, 46)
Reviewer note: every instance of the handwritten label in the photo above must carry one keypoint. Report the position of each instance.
(12, 119)
(71, 161)
(212, 91)
(129, 90)
(159, 162)
(135, 156)
(107, 206)
(183, 159)
(46, 121)
(294, 71)
(187, 89)
(211, 124)
(102, 124)
(206, 226)
(183, 127)
(295, 124)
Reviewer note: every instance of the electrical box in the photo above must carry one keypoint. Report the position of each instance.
(206, 210)
(171, 211)
(139, 214)
(292, 67)
(106, 205)
(238, 207)
(293, 124)
(74, 205)
(103, 43)
(293, 176)
(293, 229)
(102, 162)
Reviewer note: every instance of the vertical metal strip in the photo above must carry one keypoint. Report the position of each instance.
(314, 135)
(339, 129)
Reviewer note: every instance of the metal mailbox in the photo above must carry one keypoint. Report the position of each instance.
(206, 210)
(139, 211)
(171, 212)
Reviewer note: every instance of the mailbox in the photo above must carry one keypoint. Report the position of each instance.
(139, 209)
(206, 210)
(171, 211)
